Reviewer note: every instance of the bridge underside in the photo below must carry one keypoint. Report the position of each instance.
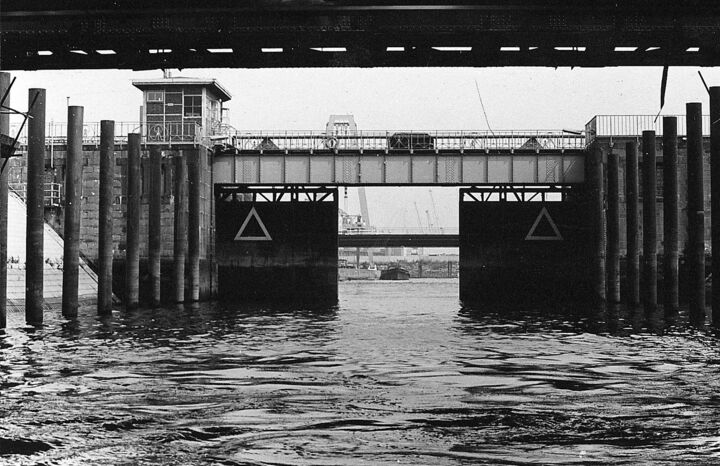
(286, 33)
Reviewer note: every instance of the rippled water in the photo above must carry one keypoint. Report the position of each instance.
(397, 373)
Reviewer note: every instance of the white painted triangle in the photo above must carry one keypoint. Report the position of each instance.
(240, 237)
(531, 236)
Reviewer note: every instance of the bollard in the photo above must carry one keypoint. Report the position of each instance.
(696, 214)
(715, 200)
(181, 232)
(632, 225)
(132, 251)
(4, 129)
(71, 229)
(597, 223)
(193, 164)
(649, 278)
(671, 299)
(35, 201)
(105, 241)
(154, 224)
(613, 228)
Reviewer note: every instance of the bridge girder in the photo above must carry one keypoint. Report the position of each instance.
(146, 35)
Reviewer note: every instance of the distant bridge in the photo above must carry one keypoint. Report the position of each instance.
(399, 240)
(152, 34)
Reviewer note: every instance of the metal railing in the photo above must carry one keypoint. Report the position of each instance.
(53, 193)
(168, 132)
(431, 230)
(404, 140)
(634, 125)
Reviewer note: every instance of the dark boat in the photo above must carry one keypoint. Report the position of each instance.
(394, 273)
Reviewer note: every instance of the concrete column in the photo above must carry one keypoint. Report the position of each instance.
(132, 252)
(715, 200)
(696, 214)
(4, 129)
(154, 223)
(613, 227)
(105, 240)
(632, 214)
(597, 223)
(181, 230)
(670, 216)
(73, 189)
(649, 278)
(193, 163)
(35, 197)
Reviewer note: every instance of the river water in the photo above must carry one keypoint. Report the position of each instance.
(396, 373)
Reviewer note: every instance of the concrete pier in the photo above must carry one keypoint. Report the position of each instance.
(105, 241)
(4, 129)
(193, 166)
(597, 223)
(649, 278)
(715, 200)
(132, 251)
(671, 299)
(632, 191)
(154, 224)
(181, 232)
(695, 214)
(613, 227)
(73, 188)
(35, 198)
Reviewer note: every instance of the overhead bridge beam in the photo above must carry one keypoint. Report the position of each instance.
(396, 241)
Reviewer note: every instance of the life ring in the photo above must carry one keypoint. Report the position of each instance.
(331, 142)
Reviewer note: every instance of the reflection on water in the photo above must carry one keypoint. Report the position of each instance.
(396, 373)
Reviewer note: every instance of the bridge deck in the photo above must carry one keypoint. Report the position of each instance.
(399, 240)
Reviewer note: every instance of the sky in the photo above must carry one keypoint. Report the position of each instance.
(393, 99)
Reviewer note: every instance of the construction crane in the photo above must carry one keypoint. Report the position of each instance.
(435, 214)
(420, 225)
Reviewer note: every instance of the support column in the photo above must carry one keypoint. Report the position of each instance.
(613, 227)
(181, 230)
(632, 214)
(649, 222)
(597, 223)
(105, 241)
(670, 216)
(696, 214)
(4, 129)
(193, 163)
(715, 200)
(35, 197)
(154, 223)
(73, 188)
(132, 251)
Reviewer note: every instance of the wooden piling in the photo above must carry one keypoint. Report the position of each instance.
(105, 240)
(671, 300)
(4, 129)
(597, 224)
(696, 214)
(193, 165)
(632, 224)
(71, 229)
(649, 278)
(154, 224)
(35, 201)
(132, 251)
(181, 231)
(715, 200)
(613, 227)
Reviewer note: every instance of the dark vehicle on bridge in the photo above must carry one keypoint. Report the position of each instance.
(409, 141)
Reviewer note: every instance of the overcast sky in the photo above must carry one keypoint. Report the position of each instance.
(393, 99)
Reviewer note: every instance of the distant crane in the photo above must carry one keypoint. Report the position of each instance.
(420, 225)
(435, 215)
(429, 223)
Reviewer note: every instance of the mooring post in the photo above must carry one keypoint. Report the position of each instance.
(71, 230)
(670, 216)
(181, 231)
(105, 241)
(715, 200)
(649, 221)
(613, 227)
(632, 191)
(35, 198)
(597, 223)
(193, 165)
(696, 214)
(155, 224)
(132, 251)
(4, 129)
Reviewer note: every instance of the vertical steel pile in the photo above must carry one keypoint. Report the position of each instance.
(671, 297)
(696, 214)
(73, 189)
(181, 232)
(649, 278)
(715, 200)
(632, 191)
(597, 224)
(194, 224)
(155, 223)
(132, 251)
(613, 227)
(35, 198)
(4, 129)
(105, 240)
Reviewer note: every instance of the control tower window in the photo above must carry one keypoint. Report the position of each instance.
(155, 96)
(192, 106)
